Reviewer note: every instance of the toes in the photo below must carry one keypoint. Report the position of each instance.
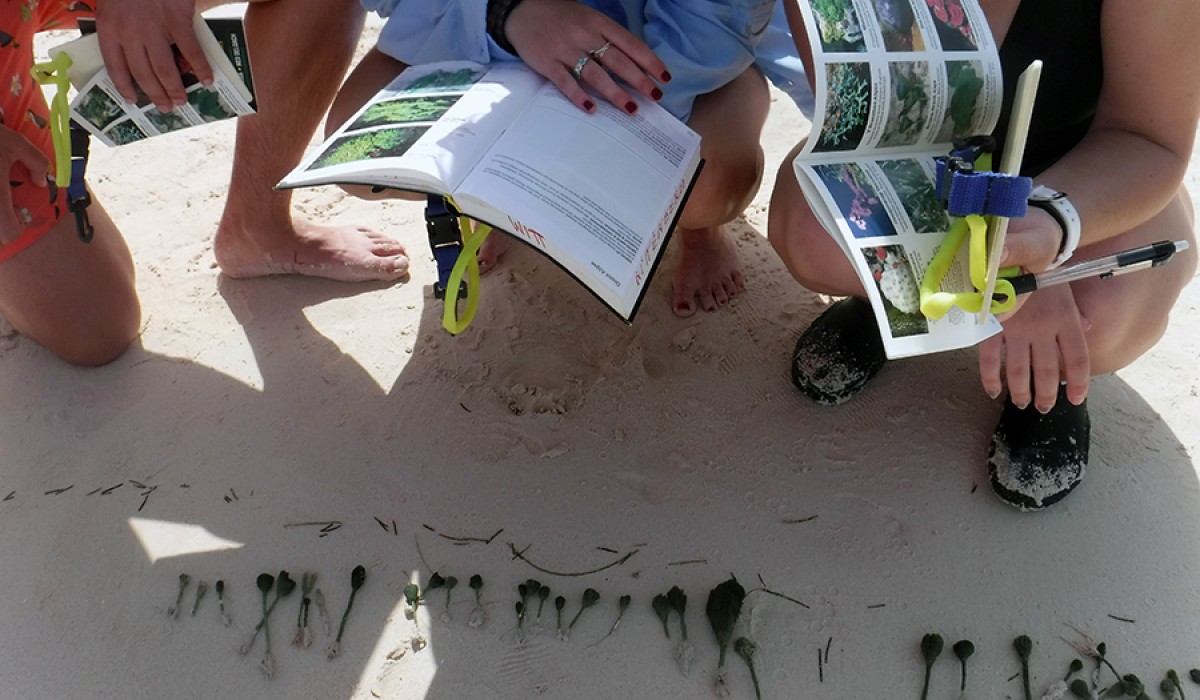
(721, 295)
(388, 248)
(684, 306)
(487, 261)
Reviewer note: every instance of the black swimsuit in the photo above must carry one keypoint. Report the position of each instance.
(1065, 36)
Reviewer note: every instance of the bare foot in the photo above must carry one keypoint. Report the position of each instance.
(709, 272)
(346, 253)
(494, 246)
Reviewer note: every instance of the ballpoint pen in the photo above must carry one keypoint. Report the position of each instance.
(1104, 267)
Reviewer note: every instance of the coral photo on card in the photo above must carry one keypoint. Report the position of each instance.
(898, 287)
(908, 103)
(914, 188)
(898, 26)
(838, 26)
(857, 200)
(966, 86)
(953, 28)
(848, 105)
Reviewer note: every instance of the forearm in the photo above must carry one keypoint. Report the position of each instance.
(1117, 180)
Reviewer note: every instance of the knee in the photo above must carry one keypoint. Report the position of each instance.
(1124, 324)
(724, 190)
(795, 234)
(100, 341)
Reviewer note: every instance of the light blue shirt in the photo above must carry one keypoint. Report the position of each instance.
(704, 43)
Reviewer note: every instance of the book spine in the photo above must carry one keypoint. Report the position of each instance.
(230, 33)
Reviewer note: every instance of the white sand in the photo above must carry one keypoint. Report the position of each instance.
(549, 419)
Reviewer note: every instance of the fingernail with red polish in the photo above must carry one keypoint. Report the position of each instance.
(630, 107)
(589, 105)
(656, 94)
(666, 76)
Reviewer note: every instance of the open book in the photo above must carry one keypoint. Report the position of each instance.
(100, 109)
(597, 193)
(894, 89)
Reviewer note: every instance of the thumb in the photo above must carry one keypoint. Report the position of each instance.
(34, 161)
(10, 225)
(1033, 246)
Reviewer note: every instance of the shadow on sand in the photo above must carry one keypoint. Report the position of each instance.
(582, 440)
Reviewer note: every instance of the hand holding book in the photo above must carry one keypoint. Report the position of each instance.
(136, 40)
(610, 54)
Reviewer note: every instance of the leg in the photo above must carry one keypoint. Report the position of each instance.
(807, 249)
(1128, 314)
(76, 299)
(730, 122)
(300, 53)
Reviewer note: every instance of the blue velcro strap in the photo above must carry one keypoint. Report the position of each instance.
(988, 193)
(967, 192)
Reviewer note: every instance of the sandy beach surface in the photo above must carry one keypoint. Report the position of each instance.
(304, 425)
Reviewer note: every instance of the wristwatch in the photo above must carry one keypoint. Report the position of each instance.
(1057, 205)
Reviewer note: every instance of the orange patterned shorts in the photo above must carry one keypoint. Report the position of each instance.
(23, 107)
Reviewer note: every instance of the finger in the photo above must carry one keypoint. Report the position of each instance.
(34, 161)
(615, 62)
(118, 70)
(10, 225)
(167, 73)
(639, 53)
(1016, 369)
(146, 79)
(189, 47)
(1077, 366)
(572, 90)
(603, 83)
(1032, 247)
(1046, 374)
(990, 352)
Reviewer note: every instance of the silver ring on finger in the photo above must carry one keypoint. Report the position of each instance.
(599, 53)
(579, 65)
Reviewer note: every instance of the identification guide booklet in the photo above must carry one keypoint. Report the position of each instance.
(895, 85)
(100, 109)
(599, 194)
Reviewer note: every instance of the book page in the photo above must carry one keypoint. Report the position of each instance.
(597, 192)
(425, 131)
(897, 82)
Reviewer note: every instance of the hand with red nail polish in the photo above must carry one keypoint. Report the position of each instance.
(581, 49)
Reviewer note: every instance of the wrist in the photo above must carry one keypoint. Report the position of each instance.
(1063, 212)
(498, 12)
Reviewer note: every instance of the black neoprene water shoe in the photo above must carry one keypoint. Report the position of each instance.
(1035, 460)
(839, 353)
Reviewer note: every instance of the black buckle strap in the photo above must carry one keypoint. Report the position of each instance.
(78, 197)
(445, 240)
